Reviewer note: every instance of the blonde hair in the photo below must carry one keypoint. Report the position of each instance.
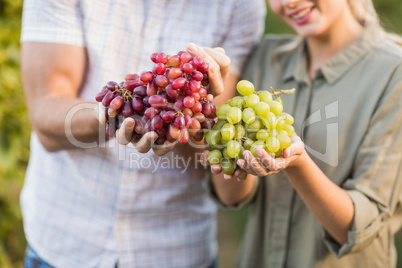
(364, 12)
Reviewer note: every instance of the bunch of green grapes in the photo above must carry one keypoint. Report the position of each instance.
(254, 120)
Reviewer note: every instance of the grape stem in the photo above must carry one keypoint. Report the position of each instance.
(276, 92)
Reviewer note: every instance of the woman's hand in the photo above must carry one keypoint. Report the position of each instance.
(218, 64)
(268, 165)
(216, 169)
(263, 167)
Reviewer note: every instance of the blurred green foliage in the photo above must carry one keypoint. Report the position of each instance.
(15, 131)
(14, 135)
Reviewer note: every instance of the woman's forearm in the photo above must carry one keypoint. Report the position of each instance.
(329, 203)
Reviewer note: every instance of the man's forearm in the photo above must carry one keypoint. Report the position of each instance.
(59, 121)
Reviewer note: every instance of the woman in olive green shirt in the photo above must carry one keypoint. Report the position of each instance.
(333, 200)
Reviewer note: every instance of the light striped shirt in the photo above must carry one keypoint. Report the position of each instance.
(95, 207)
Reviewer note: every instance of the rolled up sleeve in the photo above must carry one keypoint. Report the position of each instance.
(212, 193)
(246, 28)
(375, 186)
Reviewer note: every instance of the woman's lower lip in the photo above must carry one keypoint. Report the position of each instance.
(305, 18)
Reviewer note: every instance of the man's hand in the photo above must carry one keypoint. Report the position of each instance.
(218, 63)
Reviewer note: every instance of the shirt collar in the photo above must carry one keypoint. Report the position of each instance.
(336, 67)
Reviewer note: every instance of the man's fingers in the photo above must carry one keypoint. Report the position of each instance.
(220, 50)
(218, 64)
(164, 148)
(146, 142)
(101, 113)
(125, 132)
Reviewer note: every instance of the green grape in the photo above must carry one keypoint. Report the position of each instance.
(278, 153)
(271, 154)
(214, 157)
(255, 126)
(247, 143)
(228, 166)
(228, 131)
(273, 133)
(245, 87)
(239, 131)
(224, 142)
(238, 102)
(275, 107)
(289, 129)
(288, 118)
(225, 153)
(265, 96)
(280, 123)
(221, 111)
(278, 99)
(252, 135)
(213, 137)
(248, 115)
(261, 109)
(283, 132)
(218, 125)
(252, 100)
(272, 144)
(233, 148)
(233, 115)
(241, 156)
(229, 102)
(265, 122)
(257, 145)
(284, 141)
(271, 120)
(262, 135)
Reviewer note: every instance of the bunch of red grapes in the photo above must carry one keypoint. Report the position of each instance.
(171, 100)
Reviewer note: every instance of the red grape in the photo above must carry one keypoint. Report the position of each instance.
(158, 101)
(161, 81)
(179, 83)
(179, 122)
(127, 109)
(161, 58)
(152, 89)
(175, 73)
(150, 112)
(196, 75)
(101, 94)
(157, 122)
(188, 102)
(173, 60)
(140, 91)
(183, 139)
(107, 99)
(137, 104)
(147, 77)
(159, 69)
(174, 132)
(116, 103)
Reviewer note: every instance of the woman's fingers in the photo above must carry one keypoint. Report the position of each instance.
(204, 158)
(216, 169)
(296, 148)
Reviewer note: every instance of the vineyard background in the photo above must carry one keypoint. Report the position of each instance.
(15, 130)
